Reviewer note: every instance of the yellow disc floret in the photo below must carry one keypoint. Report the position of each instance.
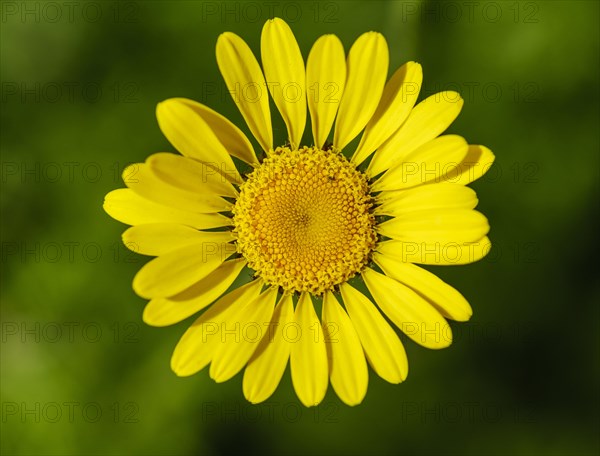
(302, 220)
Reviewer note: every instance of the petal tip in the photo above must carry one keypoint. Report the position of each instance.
(225, 38)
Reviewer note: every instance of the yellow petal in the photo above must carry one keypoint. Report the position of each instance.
(284, 71)
(173, 272)
(168, 311)
(232, 138)
(347, 364)
(267, 365)
(247, 86)
(308, 357)
(382, 345)
(367, 71)
(399, 96)
(444, 226)
(435, 253)
(478, 161)
(128, 207)
(325, 82)
(196, 347)
(243, 331)
(156, 239)
(415, 317)
(426, 197)
(447, 300)
(140, 178)
(428, 119)
(192, 136)
(188, 174)
(429, 163)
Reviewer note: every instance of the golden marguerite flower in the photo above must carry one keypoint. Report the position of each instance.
(306, 219)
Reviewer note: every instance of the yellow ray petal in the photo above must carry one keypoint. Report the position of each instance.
(128, 207)
(284, 71)
(168, 311)
(426, 197)
(447, 300)
(367, 71)
(232, 138)
(140, 178)
(428, 119)
(192, 136)
(399, 96)
(415, 317)
(188, 174)
(325, 82)
(442, 226)
(347, 364)
(156, 239)
(382, 345)
(476, 163)
(246, 84)
(173, 272)
(308, 357)
(435, 253)
(196, 347)
(428, 163)
(248, 325)
(267, 365)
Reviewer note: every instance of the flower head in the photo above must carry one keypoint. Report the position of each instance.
(306, 219)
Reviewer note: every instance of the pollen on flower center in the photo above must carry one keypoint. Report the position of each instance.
(302, 220)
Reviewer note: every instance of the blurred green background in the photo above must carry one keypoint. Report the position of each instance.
(81, 373)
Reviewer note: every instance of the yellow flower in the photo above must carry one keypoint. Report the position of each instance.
(306, 219)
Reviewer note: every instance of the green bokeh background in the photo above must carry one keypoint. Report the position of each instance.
(81, 373)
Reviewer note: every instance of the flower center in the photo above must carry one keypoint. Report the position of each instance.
(302, 220)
